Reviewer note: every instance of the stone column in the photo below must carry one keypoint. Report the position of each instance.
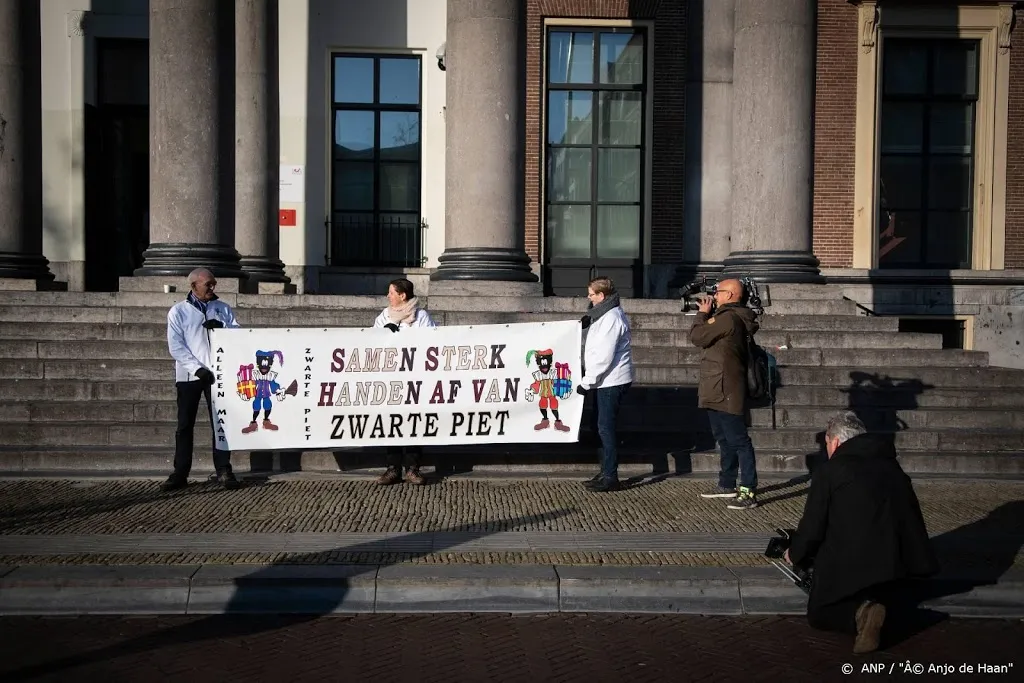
(773, 141)
(21, 144)
(485, 162)
(256, 140)
(707, 221)
(190, 100)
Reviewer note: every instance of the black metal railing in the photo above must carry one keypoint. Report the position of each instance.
(384, 241)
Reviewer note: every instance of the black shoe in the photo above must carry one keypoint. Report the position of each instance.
(227, 479)
(604, 484)
(593, 480)
(174, 482)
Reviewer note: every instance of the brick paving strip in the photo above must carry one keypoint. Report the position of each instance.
(478, 545)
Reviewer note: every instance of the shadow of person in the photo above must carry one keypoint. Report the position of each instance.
(34, 517)
(879, 399)
(970, 557)
(241, 619)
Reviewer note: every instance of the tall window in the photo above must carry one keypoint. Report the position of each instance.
(375, 180)
(596, 86)
(926, 170)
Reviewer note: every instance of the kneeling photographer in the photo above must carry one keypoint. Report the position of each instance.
(862, 532)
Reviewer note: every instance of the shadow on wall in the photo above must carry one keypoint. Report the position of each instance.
(336, 588)
(371, 27)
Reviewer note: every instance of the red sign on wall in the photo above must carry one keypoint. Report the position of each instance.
(287, 218)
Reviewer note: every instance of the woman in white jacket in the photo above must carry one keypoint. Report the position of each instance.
(607, 372)
(403, 311)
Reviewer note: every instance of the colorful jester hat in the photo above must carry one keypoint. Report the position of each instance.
(271, 354)
(546, 352)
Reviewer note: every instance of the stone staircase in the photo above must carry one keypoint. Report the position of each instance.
(91, 386)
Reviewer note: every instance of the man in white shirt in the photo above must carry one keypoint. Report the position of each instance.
(188, 338)
(607, 372)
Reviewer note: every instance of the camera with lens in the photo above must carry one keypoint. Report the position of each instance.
(693, 292)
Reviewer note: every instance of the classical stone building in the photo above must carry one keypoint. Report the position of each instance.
(877, 144)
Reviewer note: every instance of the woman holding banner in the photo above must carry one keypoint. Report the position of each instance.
(403, 311)
(607, 372)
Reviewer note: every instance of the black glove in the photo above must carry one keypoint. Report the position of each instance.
(213, 324)
(204, 375)
(585, 321)
(391, 326)
(580, 390)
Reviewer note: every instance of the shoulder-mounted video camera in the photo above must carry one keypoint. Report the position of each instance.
(692, 293)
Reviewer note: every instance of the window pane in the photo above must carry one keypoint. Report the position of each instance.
(571, 58)
(400, 237)
(952, 128)
(618, 232)
(901, 244)
(906, 67)
(570, 118)
(902, 127)
(901, 181)
(956, 68)
(353, 134)
(569, 231)
(569, 175)
(618, 175)
(352, 238)
(622, 58)
(399, 187)
(620, 118)
(949, 240)
(949, 183)
(399, 135)
(399, 81)
(353, 79)
(353, 186)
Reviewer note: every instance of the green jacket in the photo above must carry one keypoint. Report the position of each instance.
(723, 362)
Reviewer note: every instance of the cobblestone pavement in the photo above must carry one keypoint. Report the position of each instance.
(291, 506)
(474, 648)
(670, 505)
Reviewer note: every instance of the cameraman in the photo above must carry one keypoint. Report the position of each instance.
(861, 533)
(722, 388)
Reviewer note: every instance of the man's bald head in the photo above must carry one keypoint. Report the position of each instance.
(733, 286)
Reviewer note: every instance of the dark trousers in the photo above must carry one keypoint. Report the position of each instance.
(408, 456)
(189, 394)
(841, 616)
(737, 452)
(604, 418)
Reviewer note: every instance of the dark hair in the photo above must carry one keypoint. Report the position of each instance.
(403, 286)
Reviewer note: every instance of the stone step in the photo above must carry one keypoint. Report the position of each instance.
(563, 461)
(646, 374)
(134, 434)
(20, 328)
(771, 339)
(901, 393)
(810, 296)
(137, 338)
(632, 417)
(850, 377)
(83, 351)
(304, 317)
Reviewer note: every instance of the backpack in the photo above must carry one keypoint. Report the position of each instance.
(759, 371)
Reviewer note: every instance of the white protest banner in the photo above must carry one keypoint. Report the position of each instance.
(343, 387)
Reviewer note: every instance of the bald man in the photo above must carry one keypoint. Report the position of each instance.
(722, 389)
(188, 340)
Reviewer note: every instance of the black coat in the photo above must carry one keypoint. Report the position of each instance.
(862, 523)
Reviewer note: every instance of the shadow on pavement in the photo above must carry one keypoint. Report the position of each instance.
(216, 627)
(976, 554)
